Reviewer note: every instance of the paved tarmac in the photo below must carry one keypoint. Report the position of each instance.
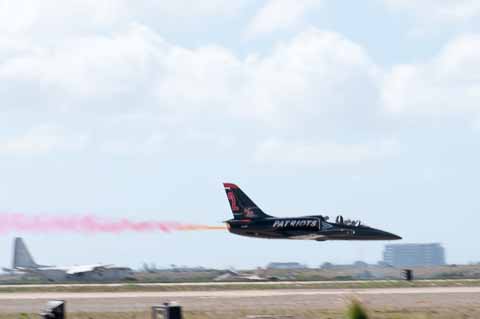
(229, 300)
(222, 283)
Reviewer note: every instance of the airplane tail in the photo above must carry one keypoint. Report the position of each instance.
(242, 206)
(21, 255)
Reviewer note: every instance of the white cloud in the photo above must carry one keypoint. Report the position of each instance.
(135, 92)
(317, 76)
(49, 21)
(301, 76)
(42, 139)
(207, 78)
(190, 9)
(104, 75)
(59, 17)
(448, 84)
(301, 153)
(444, 11)
(134, 145)
(280, 15)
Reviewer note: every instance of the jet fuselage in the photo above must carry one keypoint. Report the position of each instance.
(249, 220)
(310, 227)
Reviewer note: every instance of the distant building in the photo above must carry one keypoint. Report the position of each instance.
(414, 255)
(286, 266)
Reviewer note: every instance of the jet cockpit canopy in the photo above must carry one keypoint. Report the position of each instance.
(348, 222)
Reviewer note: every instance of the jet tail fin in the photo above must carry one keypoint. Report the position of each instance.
(242, 206)
(21, 255)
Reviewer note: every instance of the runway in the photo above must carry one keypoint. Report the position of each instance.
(223, 283)
(231, 300)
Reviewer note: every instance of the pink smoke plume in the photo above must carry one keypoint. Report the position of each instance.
(90, 224)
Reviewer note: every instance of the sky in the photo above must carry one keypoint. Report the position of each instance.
(141, 109)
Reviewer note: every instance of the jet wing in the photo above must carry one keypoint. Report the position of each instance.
(85, 268)
(13, 271)
(309, 237)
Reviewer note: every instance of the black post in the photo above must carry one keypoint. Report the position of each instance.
(408, 274)
(55, 309)
(167, 311)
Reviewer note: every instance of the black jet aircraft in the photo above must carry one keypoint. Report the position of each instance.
(249, 220)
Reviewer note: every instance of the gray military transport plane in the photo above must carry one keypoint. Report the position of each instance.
(23, 262)
(249, 220)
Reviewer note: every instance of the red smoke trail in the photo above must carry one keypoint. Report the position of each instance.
(90, 224)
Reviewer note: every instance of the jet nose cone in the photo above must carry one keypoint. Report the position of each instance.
(390, 236)
(377, 234)
(395, 237)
